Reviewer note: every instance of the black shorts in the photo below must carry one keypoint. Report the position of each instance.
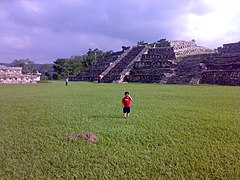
(126, 110)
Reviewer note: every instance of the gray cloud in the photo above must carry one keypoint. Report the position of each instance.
(45, 30)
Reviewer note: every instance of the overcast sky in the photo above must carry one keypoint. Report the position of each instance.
(44, 30)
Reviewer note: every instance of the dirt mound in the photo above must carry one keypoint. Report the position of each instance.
(88, 137)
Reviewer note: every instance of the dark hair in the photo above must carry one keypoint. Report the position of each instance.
(126, 93)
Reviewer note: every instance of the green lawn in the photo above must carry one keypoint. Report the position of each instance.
(174, 132)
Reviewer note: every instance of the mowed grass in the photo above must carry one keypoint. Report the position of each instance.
(174, 132)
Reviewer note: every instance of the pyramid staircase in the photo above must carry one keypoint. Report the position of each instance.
(112, 74)
(127, 70)
(104, 73)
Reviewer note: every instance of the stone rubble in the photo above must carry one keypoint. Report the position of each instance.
(13, 75)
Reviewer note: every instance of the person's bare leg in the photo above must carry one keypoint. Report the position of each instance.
(125, 115)
(128, 115)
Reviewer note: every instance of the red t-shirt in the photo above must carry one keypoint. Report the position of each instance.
(126, 101)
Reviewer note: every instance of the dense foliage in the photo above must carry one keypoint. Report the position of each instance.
(62, 67)
(65, 67)
(46, 71)
(27, 65)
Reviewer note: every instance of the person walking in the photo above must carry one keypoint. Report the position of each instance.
(67, 82)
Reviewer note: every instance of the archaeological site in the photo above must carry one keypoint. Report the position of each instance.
(168, 62)
(13, 75)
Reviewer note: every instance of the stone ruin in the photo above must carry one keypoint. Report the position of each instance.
(187, 48)
(168, 62)
(13, 75)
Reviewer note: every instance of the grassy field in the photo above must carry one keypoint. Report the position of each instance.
(174, 132)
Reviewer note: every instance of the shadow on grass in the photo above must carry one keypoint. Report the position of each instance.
(107, 116)
(117, 121)
(45, 81)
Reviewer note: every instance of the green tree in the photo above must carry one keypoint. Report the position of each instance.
(46, 71)
(64, 67)
(76, 65)
(61, 68)
(92, 57)
(27, 65)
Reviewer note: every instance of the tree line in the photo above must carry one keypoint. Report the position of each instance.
(62, 67)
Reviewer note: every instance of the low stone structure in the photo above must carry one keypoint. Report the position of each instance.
(187, 48)
(221, 68)
(13, 75)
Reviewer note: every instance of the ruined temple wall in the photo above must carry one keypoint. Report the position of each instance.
(182, 44)
(185, 48)
(160, 50)
(221, 69)
(192, 51)
(4, 70)
(147, 75)
(187, 72)
(200, 57)
(22, 79)
(233, 48)
(150, 64)
(161, 57)
(13, 75)
(222, 77)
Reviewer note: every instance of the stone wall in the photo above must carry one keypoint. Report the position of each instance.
(13, 75)
(224, 69)
(178, 44)
(219, 68)
(4, 70)
(186, 48)
(22, 79)
(226, 77)
(231, 48)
